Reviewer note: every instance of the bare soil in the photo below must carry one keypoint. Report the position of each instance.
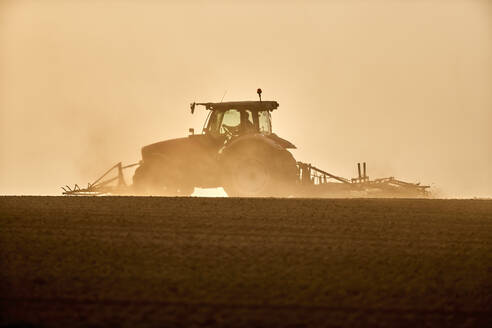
(160, 262)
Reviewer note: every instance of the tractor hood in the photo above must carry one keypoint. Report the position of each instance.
(168, 147)
(186, 149)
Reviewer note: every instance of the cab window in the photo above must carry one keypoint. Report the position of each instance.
(231, 120)
(264, 122)
(214, 123)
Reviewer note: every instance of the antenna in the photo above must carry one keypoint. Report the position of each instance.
(259, 93)
(225, 92)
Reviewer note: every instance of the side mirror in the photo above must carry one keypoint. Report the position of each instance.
(192, 107)
(192, 131)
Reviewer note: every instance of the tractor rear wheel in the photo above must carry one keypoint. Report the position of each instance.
(258, 171)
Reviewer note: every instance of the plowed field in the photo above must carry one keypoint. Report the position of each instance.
(160, 262)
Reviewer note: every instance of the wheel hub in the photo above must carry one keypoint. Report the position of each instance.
(251, 176)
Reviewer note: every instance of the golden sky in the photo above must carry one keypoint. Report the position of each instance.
(403, 85)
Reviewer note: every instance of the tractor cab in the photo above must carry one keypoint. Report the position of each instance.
(230, 119)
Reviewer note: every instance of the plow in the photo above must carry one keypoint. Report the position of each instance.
(318, 183)
(237, 151)
(312, 182)
(104, 185)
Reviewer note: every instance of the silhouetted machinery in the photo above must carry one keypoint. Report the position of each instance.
(238, 151)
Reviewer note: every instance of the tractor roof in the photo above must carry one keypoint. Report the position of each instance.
(251, 105)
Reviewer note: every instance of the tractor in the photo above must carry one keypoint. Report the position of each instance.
(236, 150)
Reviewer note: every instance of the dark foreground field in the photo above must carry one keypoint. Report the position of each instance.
(129, 261)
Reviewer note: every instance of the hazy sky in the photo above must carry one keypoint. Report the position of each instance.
(403, 85)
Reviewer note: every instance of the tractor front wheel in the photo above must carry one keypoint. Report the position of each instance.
(153, 180)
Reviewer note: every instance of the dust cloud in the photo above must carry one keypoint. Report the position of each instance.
(404, 86)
